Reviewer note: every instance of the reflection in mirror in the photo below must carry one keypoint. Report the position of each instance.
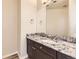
(57, 17)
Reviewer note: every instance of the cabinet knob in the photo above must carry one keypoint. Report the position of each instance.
(33, 48)
(41, 47)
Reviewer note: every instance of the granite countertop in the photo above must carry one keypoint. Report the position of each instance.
(61, 46)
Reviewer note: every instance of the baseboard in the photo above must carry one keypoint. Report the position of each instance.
(9, 55)
(22, 57)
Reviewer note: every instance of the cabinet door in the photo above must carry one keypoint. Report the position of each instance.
(29, 49)
(41, 55)
(33, 53)
(63, 56)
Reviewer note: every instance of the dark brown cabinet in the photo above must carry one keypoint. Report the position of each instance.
(63, 56)
(38, 51)
(41, 55)
(29, 48)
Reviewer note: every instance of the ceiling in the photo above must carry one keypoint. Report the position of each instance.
(57, 3)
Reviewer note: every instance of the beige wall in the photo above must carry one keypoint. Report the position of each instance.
(18, 26)
(57, 21)
(9, 40)
(72, 17)
(28, 12)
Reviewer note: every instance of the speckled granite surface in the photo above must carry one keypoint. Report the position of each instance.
(59, 45)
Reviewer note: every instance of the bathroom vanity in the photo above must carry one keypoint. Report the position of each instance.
(42, 49)
(39, 51)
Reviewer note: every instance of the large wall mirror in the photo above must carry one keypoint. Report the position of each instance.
(56, 17)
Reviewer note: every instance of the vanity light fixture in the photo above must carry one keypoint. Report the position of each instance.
(47, 5)
(44, 1)
(54, 1)
(64, 5)
(40, 22)
(31, 21)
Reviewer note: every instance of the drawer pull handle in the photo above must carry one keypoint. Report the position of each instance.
(41, 47)
(33, 48)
